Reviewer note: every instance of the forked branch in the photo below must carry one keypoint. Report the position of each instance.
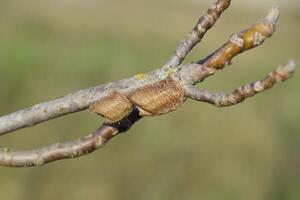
(124, 102)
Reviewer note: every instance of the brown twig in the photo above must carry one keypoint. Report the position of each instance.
(163, 90)
(71, 149)
(58, 151)
(282, 73)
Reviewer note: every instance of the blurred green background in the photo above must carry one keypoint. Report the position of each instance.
(251, 151)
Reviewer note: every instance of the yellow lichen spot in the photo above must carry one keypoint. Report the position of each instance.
(170, 71)
(140, 76)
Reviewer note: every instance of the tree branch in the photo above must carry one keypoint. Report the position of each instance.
(124, 102)
(70, 103)
(82, 99)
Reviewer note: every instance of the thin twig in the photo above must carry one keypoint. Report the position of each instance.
(58, 151)
(281, 74)
(194, 37)
(238, 43)
(71, 149)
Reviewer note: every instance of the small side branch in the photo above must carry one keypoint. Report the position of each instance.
(73, 149)
(282, 73)
(58, 151)
(238, 43)
(194, 37)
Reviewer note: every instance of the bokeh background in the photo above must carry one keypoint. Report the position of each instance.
(49, 48)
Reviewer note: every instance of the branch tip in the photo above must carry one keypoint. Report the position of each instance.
(290, 67)
(273, 14)
(206, 22)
